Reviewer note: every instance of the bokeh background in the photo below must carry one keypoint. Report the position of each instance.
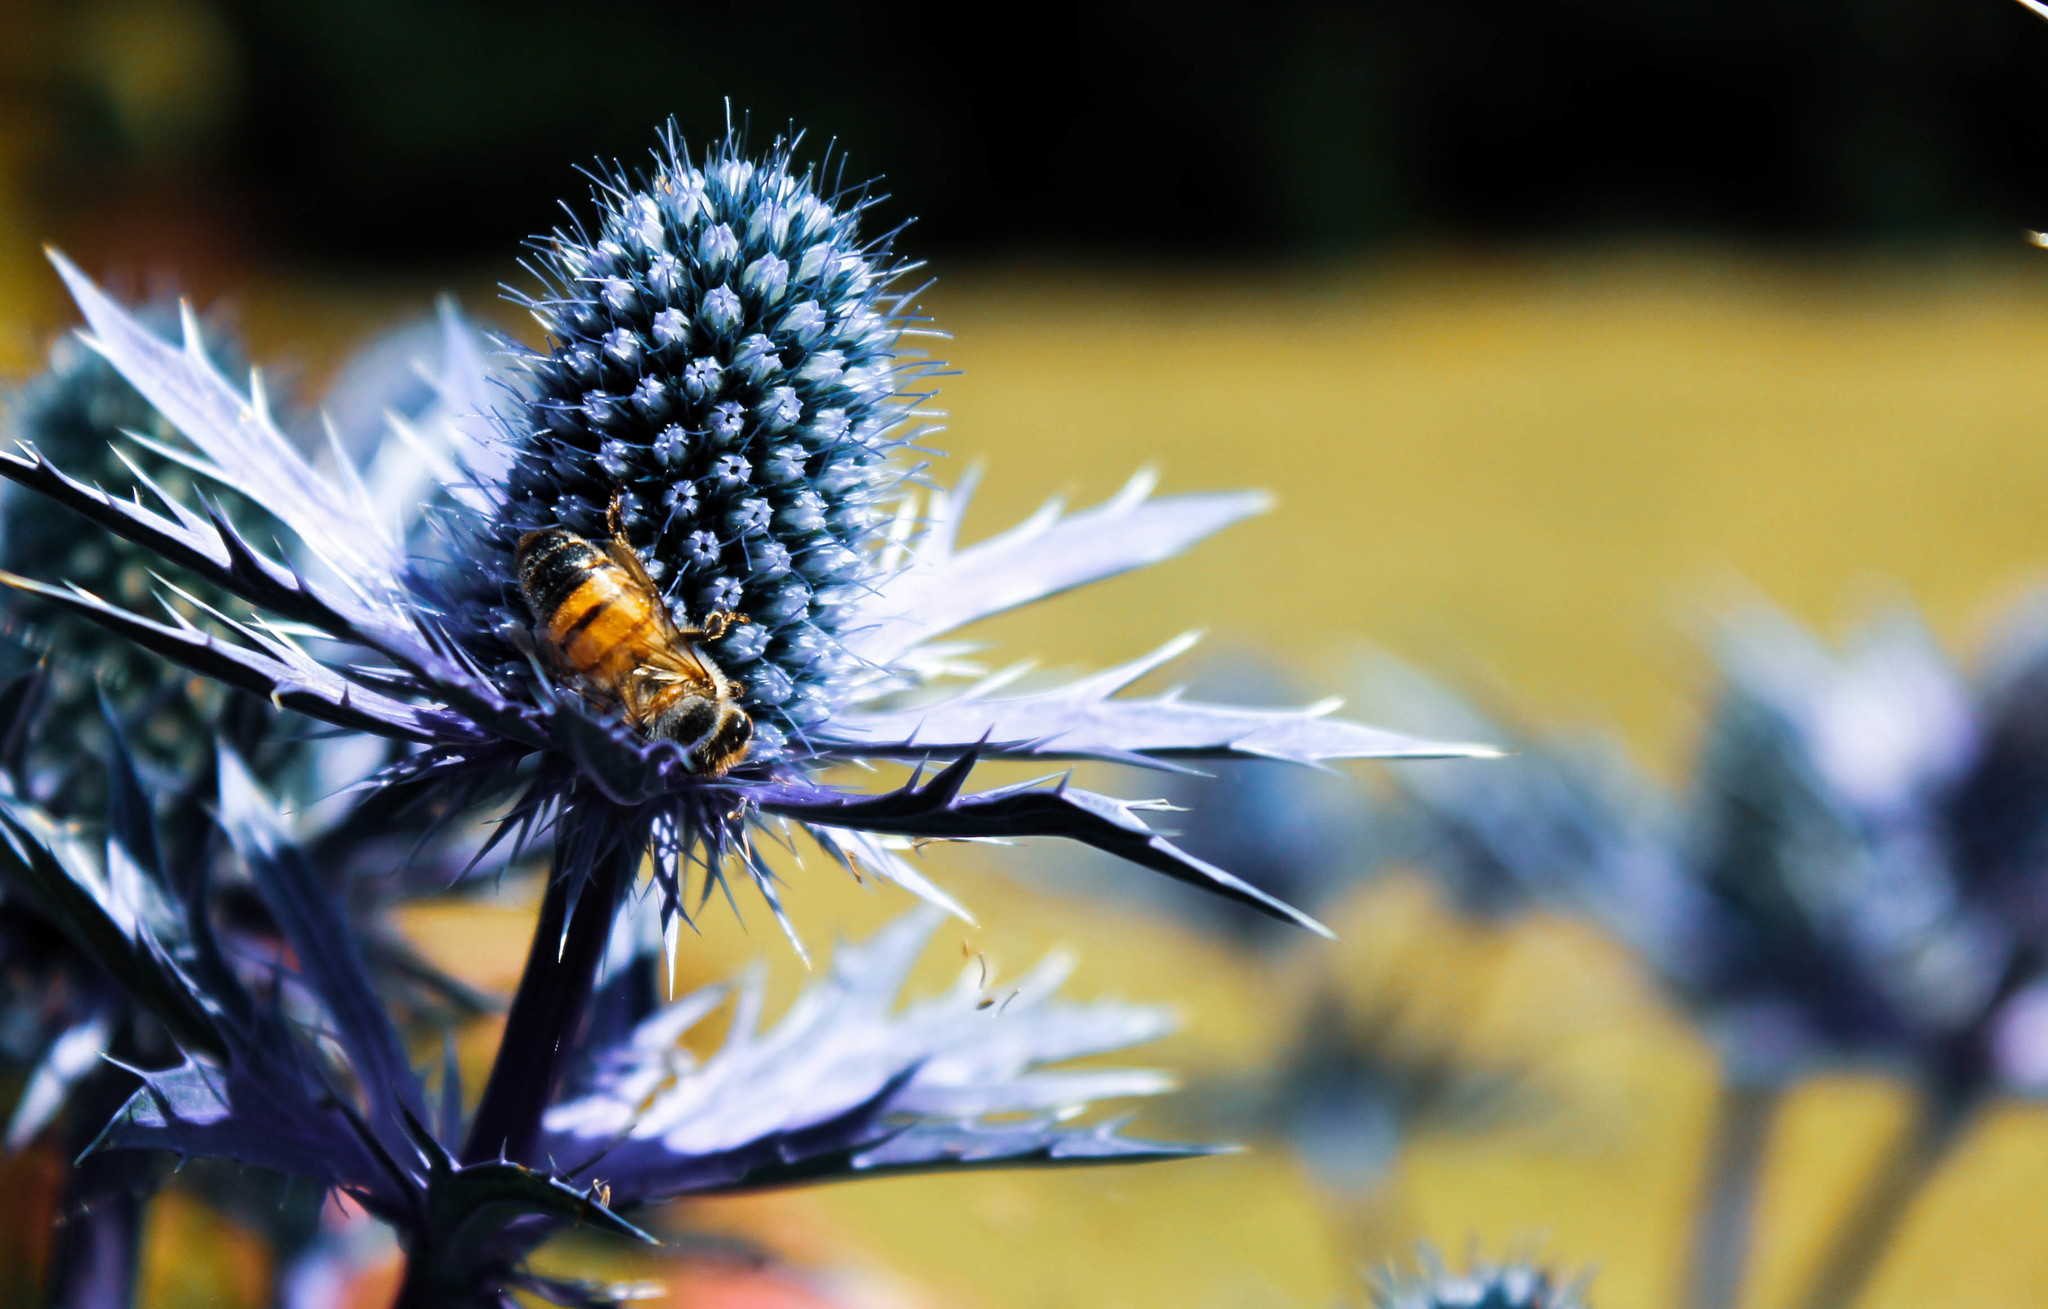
(1558, 326)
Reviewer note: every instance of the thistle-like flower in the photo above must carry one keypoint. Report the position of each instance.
(1816, 897)
(725, 382)
(725, 385)
(74, 1014)
(666, 593)
(62, 1014)
(1481, 1286)
(80, 411)
(1854, 877)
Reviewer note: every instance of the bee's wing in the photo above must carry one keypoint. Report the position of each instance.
(625, 556)
(676, 661)
(674, 658)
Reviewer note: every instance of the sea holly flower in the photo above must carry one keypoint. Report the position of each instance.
(864, 596)
(1854, 875)
(82, 413)
(115, 694)
(1481, 1286)
(1809, 896)
(62, 1015)
(770, 323)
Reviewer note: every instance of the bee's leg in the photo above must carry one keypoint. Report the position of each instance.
(634, 700)
(721, 621)
(528, 641)
(615, 515)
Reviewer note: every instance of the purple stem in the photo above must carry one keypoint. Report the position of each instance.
(554, 991)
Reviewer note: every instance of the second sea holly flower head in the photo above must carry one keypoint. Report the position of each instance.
(722, 413)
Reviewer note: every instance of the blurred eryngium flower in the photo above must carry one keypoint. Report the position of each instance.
(1856, 875)
(81, 411)
(1819, 828)
(1809, 898)
(1481, 1286)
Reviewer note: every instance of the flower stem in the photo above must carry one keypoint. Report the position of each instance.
(96, 1247)
(1914, 1158)
(1719, 1257)
(95, 1253)
(540, 1031)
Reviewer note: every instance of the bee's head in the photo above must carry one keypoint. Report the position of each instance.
(714, 734)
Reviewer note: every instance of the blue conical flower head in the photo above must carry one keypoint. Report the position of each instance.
(1482, 1286)
(724, 365)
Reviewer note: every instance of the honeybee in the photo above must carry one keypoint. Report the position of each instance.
(604, 623)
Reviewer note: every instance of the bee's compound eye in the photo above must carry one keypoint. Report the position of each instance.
(739, 727)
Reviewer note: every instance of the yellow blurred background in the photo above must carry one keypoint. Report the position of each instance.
(1535, 468)
(1541, 470)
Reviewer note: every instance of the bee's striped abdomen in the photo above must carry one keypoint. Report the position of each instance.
(603, 622)
(552, 564)
(593, 618)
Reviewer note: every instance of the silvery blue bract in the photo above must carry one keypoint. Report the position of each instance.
(840, 1087)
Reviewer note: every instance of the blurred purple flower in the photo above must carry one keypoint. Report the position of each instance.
(1857, 875)
(1480, 1286)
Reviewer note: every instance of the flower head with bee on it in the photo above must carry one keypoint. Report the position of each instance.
(682, 562)
(726, 384)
